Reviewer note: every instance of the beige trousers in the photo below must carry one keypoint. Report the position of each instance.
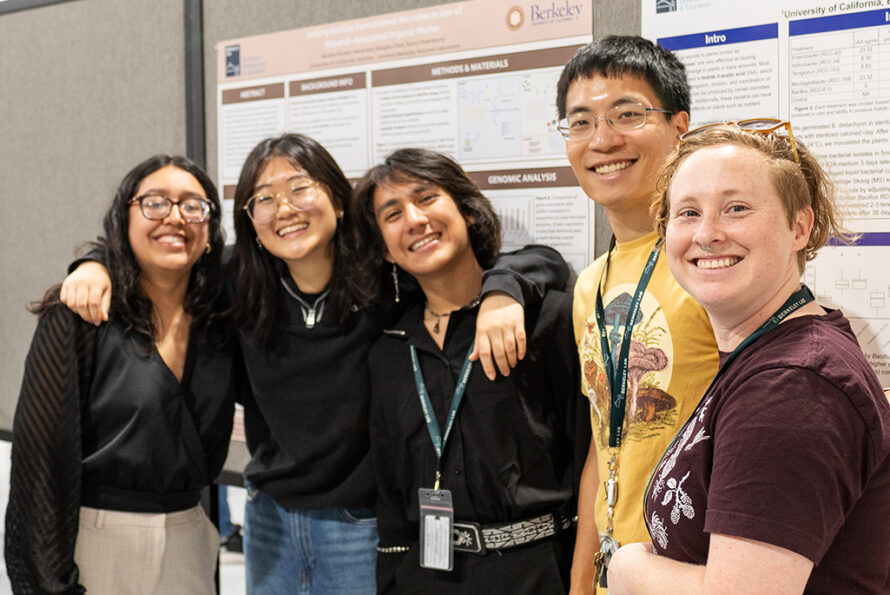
(132, 553)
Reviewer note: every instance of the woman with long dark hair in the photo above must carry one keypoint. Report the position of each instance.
(309, 515)
(119, 428)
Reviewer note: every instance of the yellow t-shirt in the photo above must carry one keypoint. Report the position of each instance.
(673, 357)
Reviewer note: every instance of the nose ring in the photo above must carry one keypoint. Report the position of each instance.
(706, 248)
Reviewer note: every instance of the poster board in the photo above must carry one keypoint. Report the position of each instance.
(825, 66)
(475, 80)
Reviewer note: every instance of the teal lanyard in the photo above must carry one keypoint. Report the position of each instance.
(799, 298)
(616, 371)
(432, 425)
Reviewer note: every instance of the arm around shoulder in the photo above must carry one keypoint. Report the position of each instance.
(527, 274)
(87, 289)
(518, 279)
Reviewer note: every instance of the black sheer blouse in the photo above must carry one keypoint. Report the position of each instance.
(101, 421)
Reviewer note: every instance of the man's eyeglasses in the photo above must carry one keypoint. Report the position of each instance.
(156, 207)
(754, 125)
(301, 194)
(622, 118)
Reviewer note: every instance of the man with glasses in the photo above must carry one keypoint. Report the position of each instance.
(624, 104)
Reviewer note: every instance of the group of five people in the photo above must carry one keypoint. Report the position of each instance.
(349, 321)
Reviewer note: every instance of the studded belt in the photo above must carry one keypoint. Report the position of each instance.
(478, 539)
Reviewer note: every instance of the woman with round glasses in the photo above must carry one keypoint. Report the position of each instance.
(305, 342)
(780, 481)
(119, 428)
(309, 515)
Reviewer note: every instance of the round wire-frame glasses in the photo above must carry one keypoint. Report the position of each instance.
(621, 118)
(301, 195)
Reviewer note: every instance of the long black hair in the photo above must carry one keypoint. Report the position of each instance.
(257, 273)
(129, 305)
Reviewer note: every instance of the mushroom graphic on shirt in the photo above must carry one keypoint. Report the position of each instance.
(643, 360)
(614, 316)
(650, 400)
(644, 402)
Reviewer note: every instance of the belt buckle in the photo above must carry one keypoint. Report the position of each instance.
(467, 537)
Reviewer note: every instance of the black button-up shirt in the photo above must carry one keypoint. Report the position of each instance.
(518, 443)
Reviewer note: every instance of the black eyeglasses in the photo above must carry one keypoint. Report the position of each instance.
(156, 207)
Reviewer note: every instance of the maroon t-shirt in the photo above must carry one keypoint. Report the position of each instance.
(791, 447)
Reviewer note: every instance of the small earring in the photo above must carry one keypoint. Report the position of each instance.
(258, 243)
(207, 248)
(395, 280)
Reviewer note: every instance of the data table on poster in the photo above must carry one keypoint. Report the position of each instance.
(847, 66)
(839, 89)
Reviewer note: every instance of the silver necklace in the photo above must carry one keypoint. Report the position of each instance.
(311, 313)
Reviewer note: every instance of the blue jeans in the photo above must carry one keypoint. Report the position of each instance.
(326, 551)
(226, 528)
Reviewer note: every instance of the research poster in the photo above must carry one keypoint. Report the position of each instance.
(475, 80)
(825, 66)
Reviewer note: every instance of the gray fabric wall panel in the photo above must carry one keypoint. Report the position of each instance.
(617, 17)
(612, 17)
(87, 89)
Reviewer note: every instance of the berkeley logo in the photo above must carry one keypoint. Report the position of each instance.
(554, 11)
(515, 18)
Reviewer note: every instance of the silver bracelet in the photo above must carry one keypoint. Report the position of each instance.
(393, 549)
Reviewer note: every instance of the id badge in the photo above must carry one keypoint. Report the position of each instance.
(436, 527)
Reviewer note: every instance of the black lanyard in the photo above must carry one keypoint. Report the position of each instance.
(432, 425)
(798, 299)
(616, 372)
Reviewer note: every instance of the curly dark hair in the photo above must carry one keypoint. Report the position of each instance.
(413, 165)
(616, 55)
(258, 273)
(129, 305)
